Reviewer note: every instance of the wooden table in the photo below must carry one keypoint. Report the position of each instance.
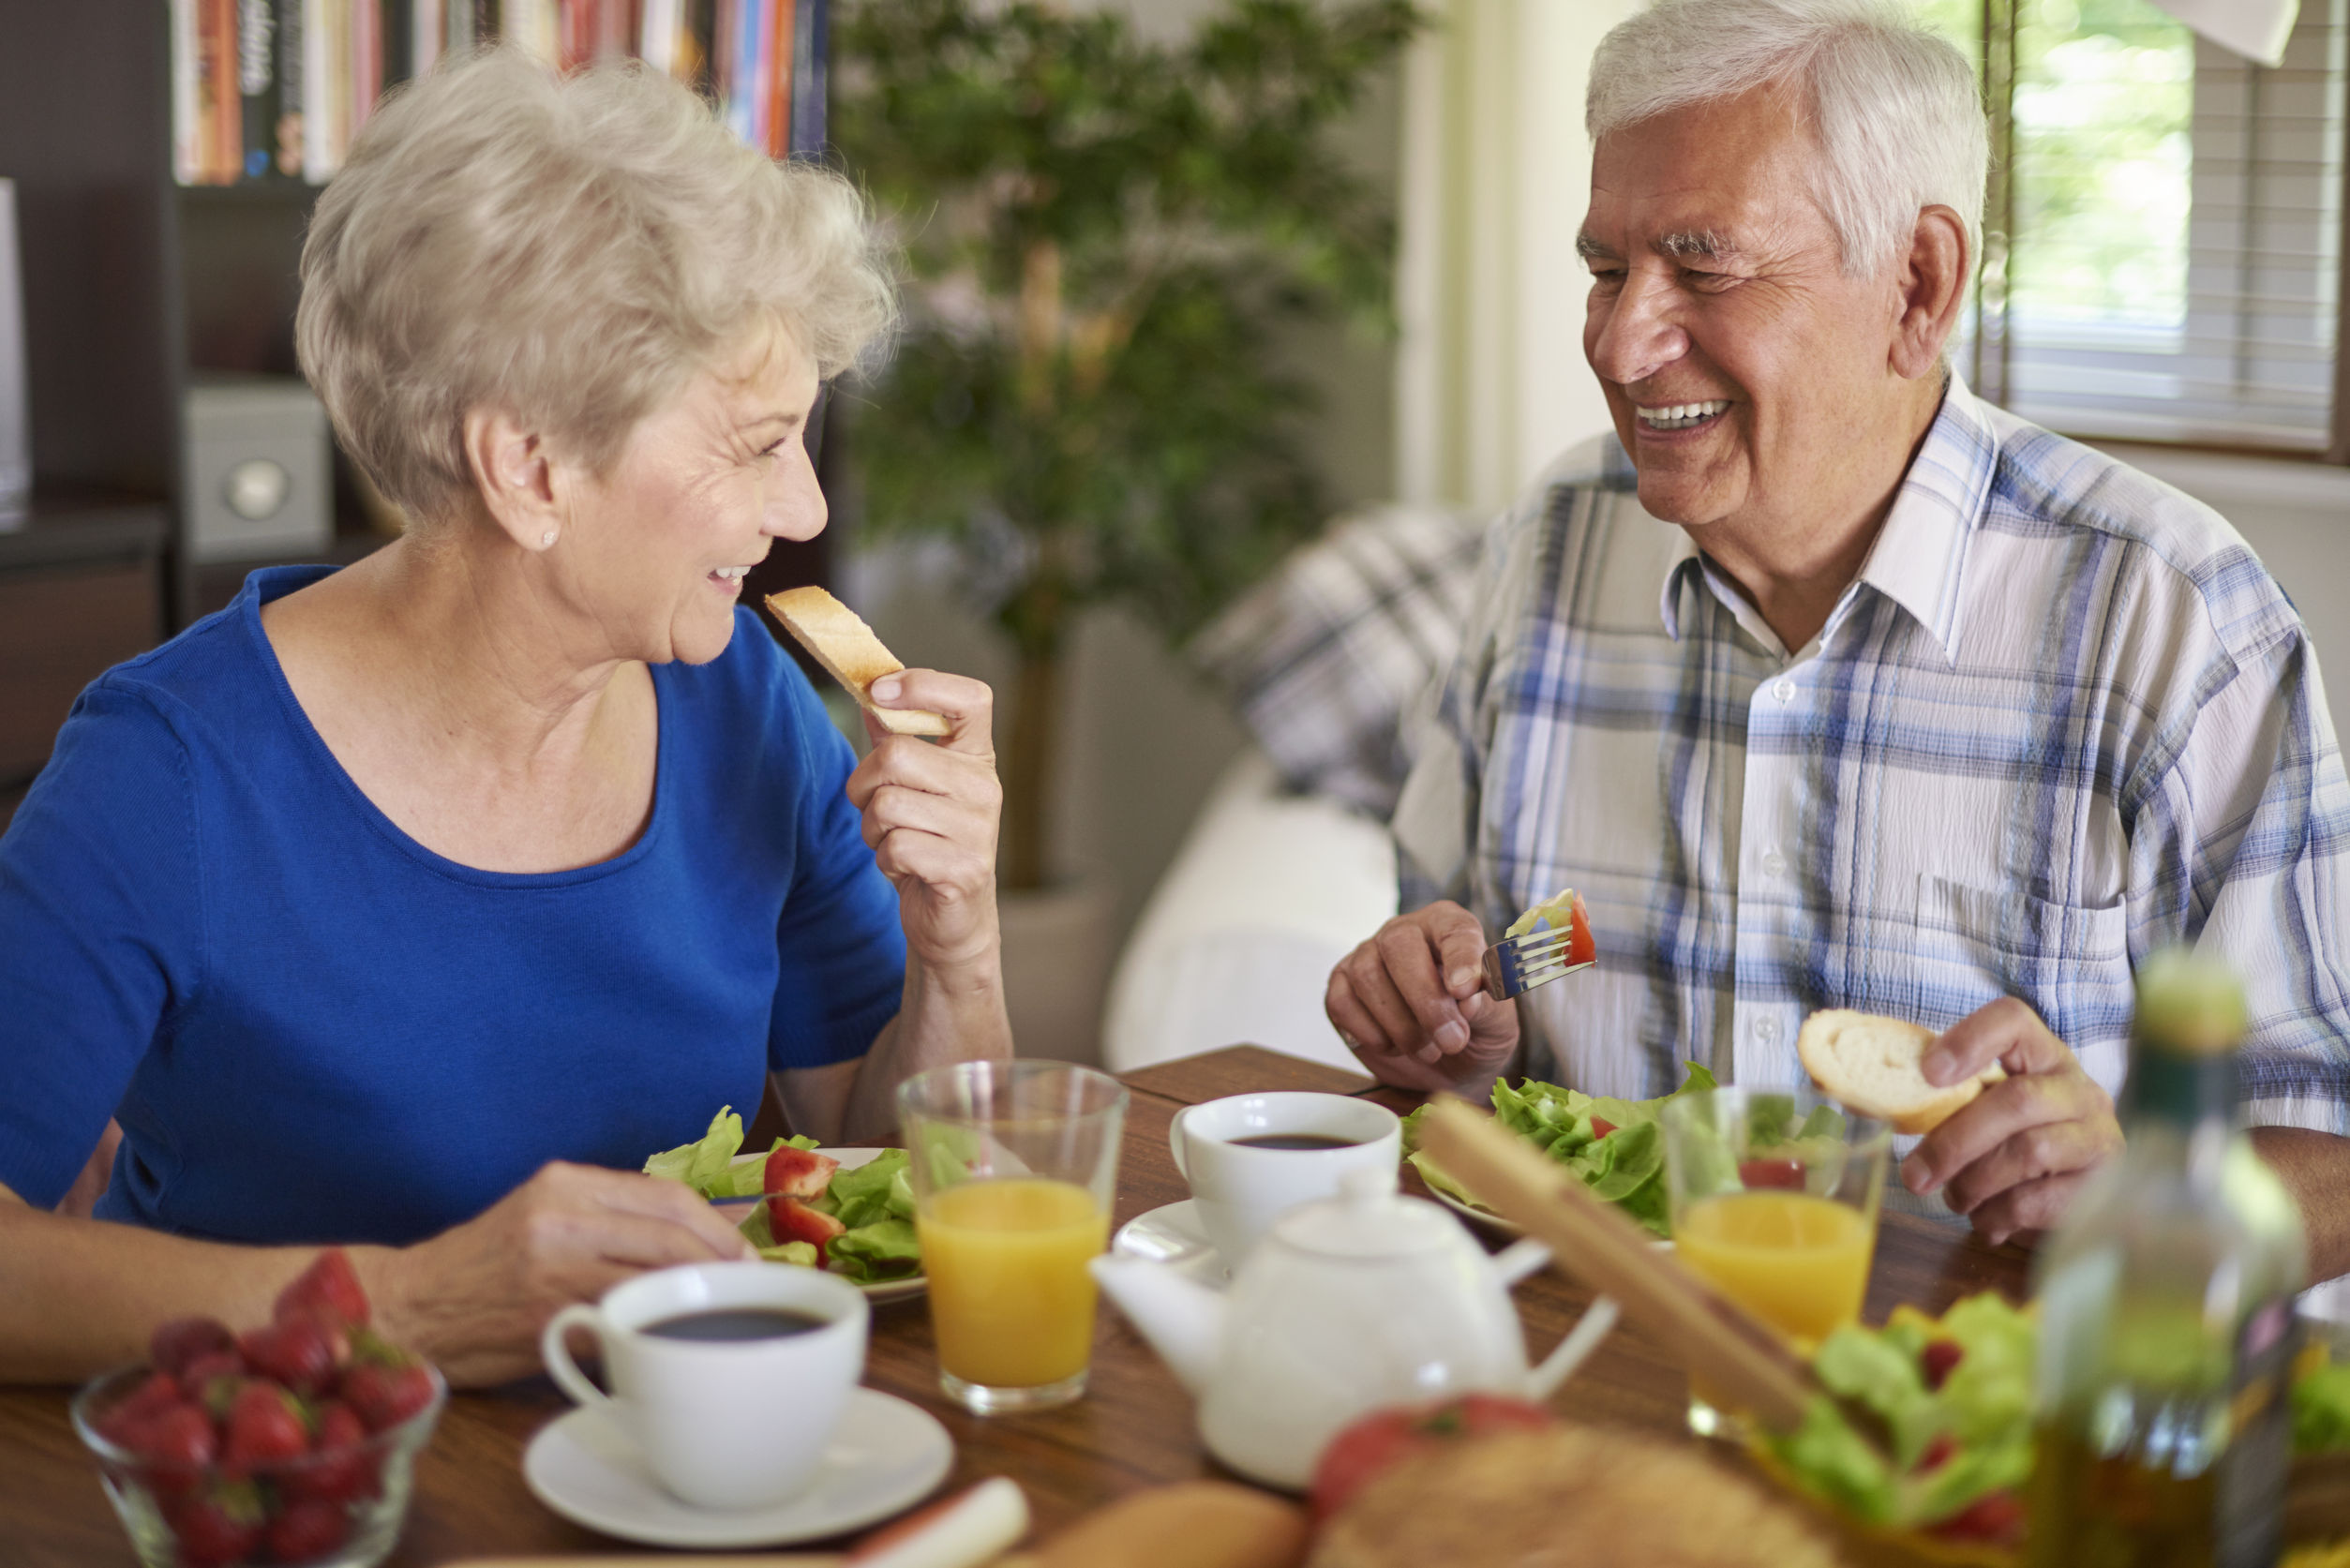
(1133, 1428)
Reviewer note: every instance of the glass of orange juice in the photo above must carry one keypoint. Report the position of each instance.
(1775, 1195)
(1014, 1166)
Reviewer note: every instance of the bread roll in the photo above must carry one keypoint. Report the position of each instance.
(847, 647)
(1869, 1065)
(1192, 1524)
(1585, 1496)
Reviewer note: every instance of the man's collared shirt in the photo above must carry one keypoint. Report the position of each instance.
(2063, 719)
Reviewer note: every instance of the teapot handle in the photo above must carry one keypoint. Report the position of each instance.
(1573, 1351)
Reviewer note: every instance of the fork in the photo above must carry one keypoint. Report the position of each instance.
(1517, 965)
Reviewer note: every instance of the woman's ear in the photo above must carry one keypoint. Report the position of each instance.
(1933, 281)
(515, 475)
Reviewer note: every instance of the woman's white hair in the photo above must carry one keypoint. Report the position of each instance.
(1896, 110)
(569, 251)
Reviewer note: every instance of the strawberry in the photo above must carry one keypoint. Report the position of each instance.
(175, 1344)
(218, 1527)
(1995, 1517)
(173, 1445)
(159, 1393)
(387, 1396)
(1937, 1452)
(1937, 1359)
(1772, 1173)
(210, 1364)
(1601, 1126)
(329, 1287)
(797, 1172)
(265, 1424)
(1581, 948)
(340, 1468)
(304, 1352)
(793, 1220)
(306, 1530)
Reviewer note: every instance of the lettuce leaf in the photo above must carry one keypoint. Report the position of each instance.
(879, 1189)
(702, 1163)
(885, 1250)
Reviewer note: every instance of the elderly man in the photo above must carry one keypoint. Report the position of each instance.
(1939, 715)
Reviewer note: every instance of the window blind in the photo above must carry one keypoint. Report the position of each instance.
(2163, 236)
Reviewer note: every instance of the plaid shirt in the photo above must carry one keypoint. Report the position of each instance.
(2063, 718)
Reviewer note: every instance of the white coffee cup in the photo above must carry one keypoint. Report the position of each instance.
(722, 1423)
(1240, 1189)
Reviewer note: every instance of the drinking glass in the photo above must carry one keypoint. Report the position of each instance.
(1014, 1166)
(1774, 1196)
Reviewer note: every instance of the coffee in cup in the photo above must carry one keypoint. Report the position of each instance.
(729, 1378)
(1250, 1157)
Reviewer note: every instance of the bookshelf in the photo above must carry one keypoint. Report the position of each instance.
(132, 282)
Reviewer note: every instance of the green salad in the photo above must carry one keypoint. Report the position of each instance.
(1615, 1146)
(865, 1216)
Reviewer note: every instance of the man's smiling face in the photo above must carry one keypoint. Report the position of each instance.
(1746, 374)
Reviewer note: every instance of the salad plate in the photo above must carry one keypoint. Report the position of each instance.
(882, 1291)
(885, 1456)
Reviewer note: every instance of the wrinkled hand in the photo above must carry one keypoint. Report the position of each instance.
(475, 1298)
(2013, 1159)
(1410, 1003)
(930, 813)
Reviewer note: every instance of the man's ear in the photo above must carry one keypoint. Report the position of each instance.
(1933, 283)
(515, 475)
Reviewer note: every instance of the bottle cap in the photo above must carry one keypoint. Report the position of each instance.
(2189, 1004)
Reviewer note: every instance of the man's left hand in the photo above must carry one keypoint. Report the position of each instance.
(2015, 1156)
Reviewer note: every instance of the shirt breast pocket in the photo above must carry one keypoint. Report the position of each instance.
(2070, 962)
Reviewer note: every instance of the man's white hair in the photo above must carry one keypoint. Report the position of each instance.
(1896, 110)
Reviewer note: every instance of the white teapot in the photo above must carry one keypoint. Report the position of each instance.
(1353, 1302)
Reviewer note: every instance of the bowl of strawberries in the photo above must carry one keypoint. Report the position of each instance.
(293, 1442)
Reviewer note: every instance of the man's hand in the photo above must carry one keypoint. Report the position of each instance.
(1411, 1004)
(475, 1298)
(2014, 1157)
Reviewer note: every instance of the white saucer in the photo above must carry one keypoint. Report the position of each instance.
(1171, 1233)
(885, 1456)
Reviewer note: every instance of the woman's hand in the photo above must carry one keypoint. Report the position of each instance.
(473, 1299)
(931, 812)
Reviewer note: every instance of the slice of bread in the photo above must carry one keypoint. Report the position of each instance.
(845, 646)
(1870, 1065)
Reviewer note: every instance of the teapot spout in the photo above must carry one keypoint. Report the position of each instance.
(1183, 1319)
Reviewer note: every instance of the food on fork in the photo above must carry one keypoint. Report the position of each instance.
(1562, 911)
(845, 647)
(1869, 1063)
(858, 1223)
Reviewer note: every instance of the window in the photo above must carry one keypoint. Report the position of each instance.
(2163, 247)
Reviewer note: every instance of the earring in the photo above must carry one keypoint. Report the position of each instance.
(546, 540)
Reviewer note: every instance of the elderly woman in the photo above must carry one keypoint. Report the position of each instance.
(414, 904)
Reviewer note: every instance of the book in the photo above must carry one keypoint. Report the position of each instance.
(285, 139)
(783, 36)
(428, 35)
(257, 87)
(188, 140)
(363, 34)
(811, 49)
(322, 87)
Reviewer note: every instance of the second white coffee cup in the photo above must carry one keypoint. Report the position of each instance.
(729, 1378)
(1250, 1157)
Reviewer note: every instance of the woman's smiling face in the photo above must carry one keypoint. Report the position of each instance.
(658, 544)
(1742, 367)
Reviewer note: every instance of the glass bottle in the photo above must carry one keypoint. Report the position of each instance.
(2166, 1312)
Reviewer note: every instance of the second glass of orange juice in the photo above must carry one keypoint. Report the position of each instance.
(1014, 1168)
(1775, 1195)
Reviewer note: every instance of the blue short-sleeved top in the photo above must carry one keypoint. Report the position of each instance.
(313, 1028)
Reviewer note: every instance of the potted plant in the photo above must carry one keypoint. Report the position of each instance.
(1106, 237)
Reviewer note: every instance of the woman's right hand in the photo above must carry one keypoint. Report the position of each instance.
(473, 1299)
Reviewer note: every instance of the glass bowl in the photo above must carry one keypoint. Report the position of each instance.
(340, 1509)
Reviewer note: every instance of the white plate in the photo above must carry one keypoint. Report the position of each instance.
(885, 1456)
(1171, 1233)
(881, 1293)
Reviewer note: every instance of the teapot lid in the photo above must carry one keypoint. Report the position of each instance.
(1369, 1218)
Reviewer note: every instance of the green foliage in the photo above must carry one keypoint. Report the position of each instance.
(1106, 237)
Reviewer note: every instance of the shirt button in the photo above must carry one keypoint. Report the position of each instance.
(1766, 1029)
(1774, 864)
(1783, 689)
